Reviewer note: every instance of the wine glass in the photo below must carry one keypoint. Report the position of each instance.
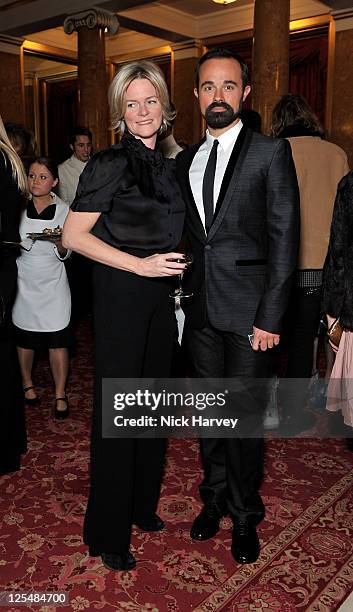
(179, 291)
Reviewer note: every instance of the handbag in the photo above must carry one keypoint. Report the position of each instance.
(334, 333)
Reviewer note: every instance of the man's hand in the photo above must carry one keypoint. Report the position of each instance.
(264, 340)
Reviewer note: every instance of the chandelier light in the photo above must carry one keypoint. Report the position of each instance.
(223, 1)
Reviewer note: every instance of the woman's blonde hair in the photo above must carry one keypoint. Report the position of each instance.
(9, 154)
(142, 69)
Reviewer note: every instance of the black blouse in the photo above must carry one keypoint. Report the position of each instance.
(135, 189)
(47, 214)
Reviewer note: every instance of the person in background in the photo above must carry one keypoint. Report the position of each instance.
(13, 183)
(128, 217)
(338, 301)
(320, 165)
(71, 169)
(42, 308)
(166, 140)
(23, 142)
(252, 119)
(170, 149)
(79, 268)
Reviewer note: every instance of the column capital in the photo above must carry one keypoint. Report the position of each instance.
(343, 19)
(91, 19)
(188, 49)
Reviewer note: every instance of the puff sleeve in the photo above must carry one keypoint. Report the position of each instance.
(100, 181)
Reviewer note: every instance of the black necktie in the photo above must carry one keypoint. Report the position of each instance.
(208, 185)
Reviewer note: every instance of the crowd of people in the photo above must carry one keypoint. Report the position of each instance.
(255, 212)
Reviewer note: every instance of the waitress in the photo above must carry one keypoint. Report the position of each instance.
(42, 308)
(128, 217)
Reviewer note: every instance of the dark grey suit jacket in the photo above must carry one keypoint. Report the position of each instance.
(242, 271)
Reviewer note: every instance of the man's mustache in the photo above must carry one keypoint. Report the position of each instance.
(219, 105)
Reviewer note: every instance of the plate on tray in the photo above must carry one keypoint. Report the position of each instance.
(54, 235)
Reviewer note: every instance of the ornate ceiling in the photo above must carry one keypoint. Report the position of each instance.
(174, 20)
(144, 25)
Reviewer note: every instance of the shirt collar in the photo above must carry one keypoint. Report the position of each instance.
(77, 162)
(227, 139)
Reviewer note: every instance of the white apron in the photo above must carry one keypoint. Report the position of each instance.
(43, 300)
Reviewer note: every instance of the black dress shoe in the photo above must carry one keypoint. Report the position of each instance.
(30, 401)
(206, 524)
(122, 562)
(119, 563)
(245, 545)
(151, 524)
(61, 414)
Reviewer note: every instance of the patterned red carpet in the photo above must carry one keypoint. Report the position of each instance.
(307, 537)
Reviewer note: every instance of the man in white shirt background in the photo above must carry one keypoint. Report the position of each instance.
(71, 169)
(79, 268)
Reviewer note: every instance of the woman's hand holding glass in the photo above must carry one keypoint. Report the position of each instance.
(165, 264)
(179, 293)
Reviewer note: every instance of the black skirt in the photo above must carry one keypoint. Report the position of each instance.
(43, 340)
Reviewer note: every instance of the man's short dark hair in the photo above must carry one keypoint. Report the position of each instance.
(219, 53)
(79, 131)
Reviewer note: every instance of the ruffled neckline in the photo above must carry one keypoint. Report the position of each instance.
(152, 157)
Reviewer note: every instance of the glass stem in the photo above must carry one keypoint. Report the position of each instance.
(180, 282)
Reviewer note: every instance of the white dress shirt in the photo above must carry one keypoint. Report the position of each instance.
(197, 169)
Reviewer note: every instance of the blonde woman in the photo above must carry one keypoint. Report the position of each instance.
(12, 425)
(128, 217)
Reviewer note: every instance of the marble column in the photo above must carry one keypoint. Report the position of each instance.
(342, 87)
(188, 124)
(12, 103)
(270, 73)
(92, 26)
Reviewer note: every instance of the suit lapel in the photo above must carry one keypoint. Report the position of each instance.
(231, 176)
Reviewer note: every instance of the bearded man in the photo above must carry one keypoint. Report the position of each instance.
(243, 229)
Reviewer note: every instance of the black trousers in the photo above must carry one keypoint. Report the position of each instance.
(301, 326)
(302, 322)
(233, 467)
(134, 329)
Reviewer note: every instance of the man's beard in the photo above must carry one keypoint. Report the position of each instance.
(221, 119)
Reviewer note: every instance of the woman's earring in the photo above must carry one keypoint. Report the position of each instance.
(163, 127)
